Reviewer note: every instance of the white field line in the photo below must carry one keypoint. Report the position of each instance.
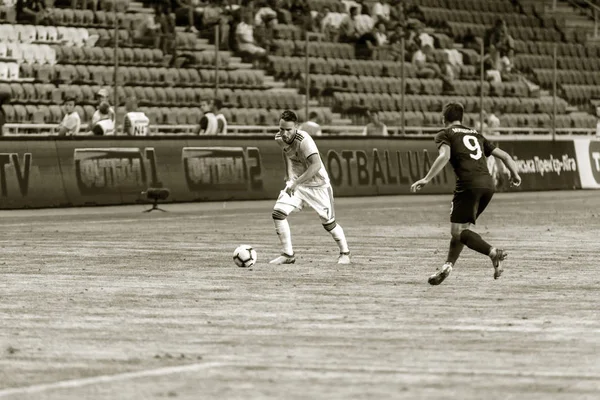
(94, 380)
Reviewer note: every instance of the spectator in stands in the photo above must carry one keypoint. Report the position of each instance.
(135, 123)
(424, 68)
(448, 74)
(347, 30)
(166, 24)
(326, 24)
(418, 38)
(263, 12)
(185, 10)
(208, 123)
(395, 42)
(4, 98)
(147, 32)
(381, 34)
(364, 22)
(106, 126)
(381, 10)
(375, 127)
(497, 69)
(33, 12)
(264, 33)
(108, 113)
(84, 4)
(312, 125)
(71, 122)
(244, 34)
(282, 8)
(221, 120)
(498, 37)
(398, 13)
(493, 121)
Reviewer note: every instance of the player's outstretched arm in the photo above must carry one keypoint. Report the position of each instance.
(438, 165)
(515, 178)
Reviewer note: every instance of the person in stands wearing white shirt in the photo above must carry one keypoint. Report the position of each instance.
(102, 97)
(208, 123)
(105, 126)
(221, 120)
(311, 126)
(135, 123)
(71, 123)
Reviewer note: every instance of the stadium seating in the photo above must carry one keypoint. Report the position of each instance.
(39, 65)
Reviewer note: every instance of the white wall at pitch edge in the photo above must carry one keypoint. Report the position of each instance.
(588, 162)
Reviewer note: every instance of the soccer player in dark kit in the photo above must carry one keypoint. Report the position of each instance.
(466, 150)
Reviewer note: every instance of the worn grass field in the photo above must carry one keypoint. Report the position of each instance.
(111, 303)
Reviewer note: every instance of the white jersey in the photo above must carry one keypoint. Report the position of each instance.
(296, 158)
(208, 124)
(312, 128)
(221, 124)
(108, 127)
(98, 116)
(136, 124)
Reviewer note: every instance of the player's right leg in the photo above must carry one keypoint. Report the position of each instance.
(284, 206)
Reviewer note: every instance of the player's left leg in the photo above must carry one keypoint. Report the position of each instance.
(475, 203)
(284, 206)
(321, 200)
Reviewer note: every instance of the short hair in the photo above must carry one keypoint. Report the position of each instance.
(104, 107)
(218, 103)
(289, 116)
(453, 111)
(69, 98)
(313, 115)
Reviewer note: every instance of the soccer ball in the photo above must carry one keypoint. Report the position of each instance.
(244, 256)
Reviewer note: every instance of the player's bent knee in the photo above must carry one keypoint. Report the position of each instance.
(329, 226)
(278, 214)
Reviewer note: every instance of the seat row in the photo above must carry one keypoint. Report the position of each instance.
(580, 94)
(494, 6)
(286, 47)
(545, 77)
(438, 17)
(143, 76)
(106, 5)
(346, 102)
(562, 49)
(40, 33)
(53, 114)
(28, 53)
(460, 29)
(529, 61)
(545, 121)
(368, 84)
(292, 66)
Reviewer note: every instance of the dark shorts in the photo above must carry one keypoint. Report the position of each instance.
(468, 204)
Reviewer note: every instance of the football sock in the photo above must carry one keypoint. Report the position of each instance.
(473, 241)
(454, 251)
(282, 227)
(340, 238)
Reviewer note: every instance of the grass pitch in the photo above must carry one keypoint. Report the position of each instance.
(111, 303)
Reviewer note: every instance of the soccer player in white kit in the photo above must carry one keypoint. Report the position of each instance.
(307, 183)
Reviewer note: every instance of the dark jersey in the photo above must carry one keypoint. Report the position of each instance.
(468, 152)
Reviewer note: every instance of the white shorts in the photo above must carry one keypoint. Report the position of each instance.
(319, 198)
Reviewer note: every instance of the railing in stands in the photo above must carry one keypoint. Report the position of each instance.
(36, 130)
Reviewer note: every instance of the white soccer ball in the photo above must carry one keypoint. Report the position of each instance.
(244, 256)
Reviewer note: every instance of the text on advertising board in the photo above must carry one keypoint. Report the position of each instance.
(222, 168)
(112, 170)
(11, 165)
(386, 168)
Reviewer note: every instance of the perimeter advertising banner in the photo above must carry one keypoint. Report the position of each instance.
(30, 175)
(588, 161)
(59, 172)
(542, 165)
